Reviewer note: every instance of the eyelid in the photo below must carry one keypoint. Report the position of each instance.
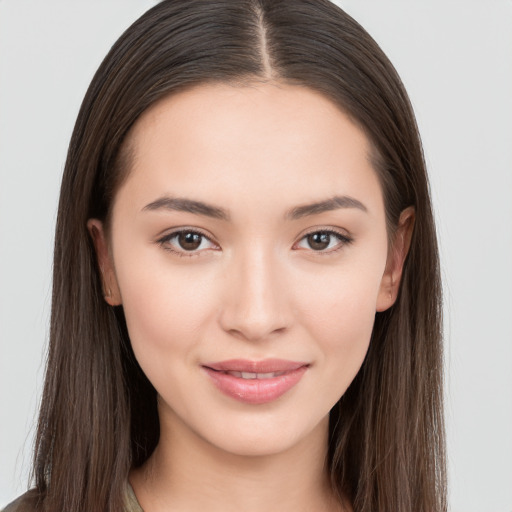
(163, 241)
(344, 237)
(344, 240)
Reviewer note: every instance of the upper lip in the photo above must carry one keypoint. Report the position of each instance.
(263, 366)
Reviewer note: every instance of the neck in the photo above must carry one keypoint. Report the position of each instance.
(192, 474)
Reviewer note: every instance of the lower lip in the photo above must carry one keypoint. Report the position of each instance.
(255, 391)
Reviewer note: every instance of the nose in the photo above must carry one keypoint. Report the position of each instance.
(256, 302)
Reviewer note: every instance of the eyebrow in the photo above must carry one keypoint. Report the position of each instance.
(333, 203)
(181, 204)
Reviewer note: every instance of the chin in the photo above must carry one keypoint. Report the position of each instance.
(258, 438)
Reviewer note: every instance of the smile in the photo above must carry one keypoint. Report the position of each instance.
(255, 382)
(250, 375)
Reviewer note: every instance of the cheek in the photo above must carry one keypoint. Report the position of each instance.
(344, 321)
(340, 319)
(165, 310)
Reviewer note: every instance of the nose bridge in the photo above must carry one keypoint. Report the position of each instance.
(255, 303)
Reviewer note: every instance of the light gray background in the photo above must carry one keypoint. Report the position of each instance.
(455, 58)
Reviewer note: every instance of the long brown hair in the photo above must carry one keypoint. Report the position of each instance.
(98, 415)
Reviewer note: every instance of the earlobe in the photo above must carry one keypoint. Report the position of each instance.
(397, 254)
(111, 291)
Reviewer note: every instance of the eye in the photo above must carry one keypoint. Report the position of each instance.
(324, 241)
(186, 241)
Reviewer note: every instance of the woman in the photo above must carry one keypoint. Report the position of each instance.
(246, 306)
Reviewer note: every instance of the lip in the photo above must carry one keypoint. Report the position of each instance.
(255, 390)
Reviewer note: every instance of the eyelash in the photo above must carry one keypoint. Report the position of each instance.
(344, 240)
(164, 241)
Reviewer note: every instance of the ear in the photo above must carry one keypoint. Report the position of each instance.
(397, 253)
(111, 291)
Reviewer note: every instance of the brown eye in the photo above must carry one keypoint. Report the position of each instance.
(189, 241)
(319, 241)
(325, 241)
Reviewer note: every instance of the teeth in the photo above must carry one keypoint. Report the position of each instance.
(267, 375)
(250, 375)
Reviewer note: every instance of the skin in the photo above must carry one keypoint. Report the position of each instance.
(254, 288)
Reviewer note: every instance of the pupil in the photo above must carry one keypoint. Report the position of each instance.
(189, 241)
(319, 241)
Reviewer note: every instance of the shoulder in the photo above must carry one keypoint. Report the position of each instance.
(131, 502)
(25, 503)
(28, 502)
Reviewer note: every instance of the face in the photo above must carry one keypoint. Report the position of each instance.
(248, 248)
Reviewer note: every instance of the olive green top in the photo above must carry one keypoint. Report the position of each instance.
(132, 505)
(27, 502)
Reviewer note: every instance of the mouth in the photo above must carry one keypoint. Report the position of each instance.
(255, 382)
(250, 375)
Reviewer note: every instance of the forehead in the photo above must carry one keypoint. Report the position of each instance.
(249, 141)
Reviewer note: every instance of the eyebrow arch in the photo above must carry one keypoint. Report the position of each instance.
(333, 203)
(181, 204)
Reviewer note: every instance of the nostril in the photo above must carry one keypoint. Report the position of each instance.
(254, 306)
